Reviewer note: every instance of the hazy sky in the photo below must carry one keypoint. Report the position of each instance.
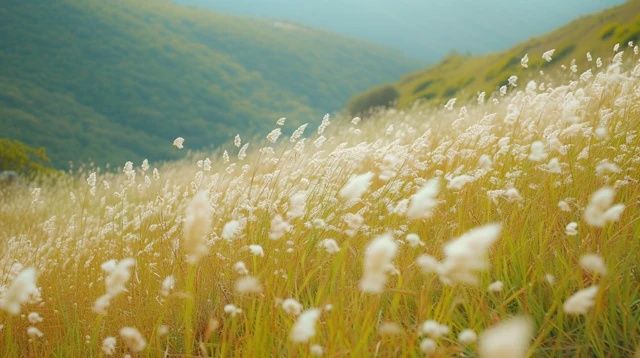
(424, 29)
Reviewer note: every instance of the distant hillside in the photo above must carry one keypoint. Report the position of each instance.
(111, 81)
(464, 76)
(424, 29)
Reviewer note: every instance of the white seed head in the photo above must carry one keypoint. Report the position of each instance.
(19, 292)
(305, 326)
(133, 339)
(355, 187)
(507, 339)
(377, 262)
(178, 142)
(424, 201)
(593, 263)
(581, 302)
(109, 345)
(291, 306)
(467, 336)
(197, 226)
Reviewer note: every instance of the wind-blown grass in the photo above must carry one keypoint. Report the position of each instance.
(502, 229)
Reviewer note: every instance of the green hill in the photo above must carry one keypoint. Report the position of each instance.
(109, 81)
(464, 76)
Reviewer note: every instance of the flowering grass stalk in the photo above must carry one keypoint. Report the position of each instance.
(409, 232)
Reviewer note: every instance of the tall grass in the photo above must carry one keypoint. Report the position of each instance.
(288, 198)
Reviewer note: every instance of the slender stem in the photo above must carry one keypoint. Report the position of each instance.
(188, 311)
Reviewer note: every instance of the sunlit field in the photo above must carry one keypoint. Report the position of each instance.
(505, 227)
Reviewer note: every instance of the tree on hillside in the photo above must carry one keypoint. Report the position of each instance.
(378, 97)
(23, 159)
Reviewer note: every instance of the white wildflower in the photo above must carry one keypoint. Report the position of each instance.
(564, 206)
(298, 133)
(240, 268)
(467, 336)
(496, 286)
(456, 183)
(354, 222)
(581, 301)
(291, 306)
(21, 290)
(109, 345)
(324, 124)
(91, 180)
(34, 317)
(524, 61)
(377, 262)
(279, 227)
(118, 274)
(248, 284)
(606, 167)
(467, 254)
(133, 339)
(428, 264)
(178, 142)
(428, 346)
(593, 263)
(553, 166)
(538, 152)
(356, 186)
(424, 201)
(197, 226)
(414, 240)
(242, 153)
(551, 279)
(163, 330)
(508, 339)
(256, 250)
(273, 136)
(34, 333)
(547, 56)
(601, 210)
(434, 329)
(586, 75)
(168, 284)
(230, 229)
(232, 310)
(450, 103)
(571, 229)
(481, 97)
(330, 246)
(297, 204)
(305, 326)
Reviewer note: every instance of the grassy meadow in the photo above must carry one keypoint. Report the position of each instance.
(463, 75)
(507, 226)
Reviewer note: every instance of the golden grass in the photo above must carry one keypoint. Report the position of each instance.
(67, 233)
